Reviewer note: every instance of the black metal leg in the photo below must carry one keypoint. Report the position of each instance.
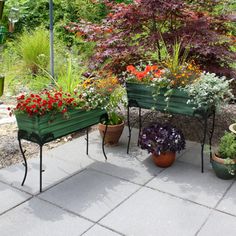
(25, 162)
(203, 143)
(212, 132)
(41, 167)
(103, 142)
(87, 141)
(129, 128)
(140, 123)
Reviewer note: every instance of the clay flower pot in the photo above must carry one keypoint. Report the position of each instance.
(113, 133)
(165, 159)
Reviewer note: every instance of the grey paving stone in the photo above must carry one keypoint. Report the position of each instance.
(152, 213)
(219, 224)
(10, 197)
(228, 203)
(90, 194)
(186, 181)
(56, 169)
(100, 231)
(193, 155)
(36, 217)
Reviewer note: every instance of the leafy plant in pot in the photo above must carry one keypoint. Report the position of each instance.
(103, 87)
(114, 124)
(163, 141)
(224, 163)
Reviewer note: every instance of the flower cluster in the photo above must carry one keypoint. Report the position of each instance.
(96, 91)
(164, 76)
(146, 75)
(46, 101)
(158, 138)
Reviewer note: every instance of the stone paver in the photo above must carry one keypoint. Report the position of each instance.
(10, 197)
(125, 195)
(152, 213)
(228, 203)
(186, 181)
(219, 224)
(36, 217)
(90, 194)
(100, 231)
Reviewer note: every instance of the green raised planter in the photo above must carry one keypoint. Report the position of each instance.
(42, 129)
(3, 32)
(140, 95)
(1, 84)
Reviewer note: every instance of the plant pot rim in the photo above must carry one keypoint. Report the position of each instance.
(232, 128)
(216, 158)
(121, 124)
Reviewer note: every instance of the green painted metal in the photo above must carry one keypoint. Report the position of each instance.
(140, 95)
(1, 85)
(42, 129)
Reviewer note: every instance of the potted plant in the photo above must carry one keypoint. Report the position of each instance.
(105, 88)
(232, 128)
(163, 141)
(113, 126)
(224, 163)
(48, 115)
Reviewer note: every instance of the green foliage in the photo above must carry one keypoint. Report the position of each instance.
(117, 98)
(227, 146)
(33, 47)
(209, 90)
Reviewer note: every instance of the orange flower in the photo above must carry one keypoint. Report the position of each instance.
(130, 68)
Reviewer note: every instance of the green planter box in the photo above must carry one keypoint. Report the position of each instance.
(1, 85)
(43, 129)
(140, 95)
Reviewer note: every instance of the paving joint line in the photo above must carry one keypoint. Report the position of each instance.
(12, 208)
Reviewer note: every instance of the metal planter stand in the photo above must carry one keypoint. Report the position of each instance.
(35, 138)
(141, 99)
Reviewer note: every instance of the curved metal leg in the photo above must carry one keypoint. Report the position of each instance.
(203, 143)
(103, 143)
(140, 123)
(25, 162)
(212, 132)
(129, 129)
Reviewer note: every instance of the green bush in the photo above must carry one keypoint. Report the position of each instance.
(33, 47)
(227, 146)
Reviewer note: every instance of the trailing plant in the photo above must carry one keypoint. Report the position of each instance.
(209, 90)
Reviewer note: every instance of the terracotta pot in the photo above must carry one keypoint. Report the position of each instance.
(220, 168)
(165, 159)
(113, 132)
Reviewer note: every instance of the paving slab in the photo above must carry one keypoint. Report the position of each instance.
(136, 166)
(228, 203)
(90, 194)
(219, 224)
(192, 155)
(10, 197)
(100, 231)
(149, 212)
(36, 217)
(186, 181)
(56, 169)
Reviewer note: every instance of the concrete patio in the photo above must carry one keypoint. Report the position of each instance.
(125, 195)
